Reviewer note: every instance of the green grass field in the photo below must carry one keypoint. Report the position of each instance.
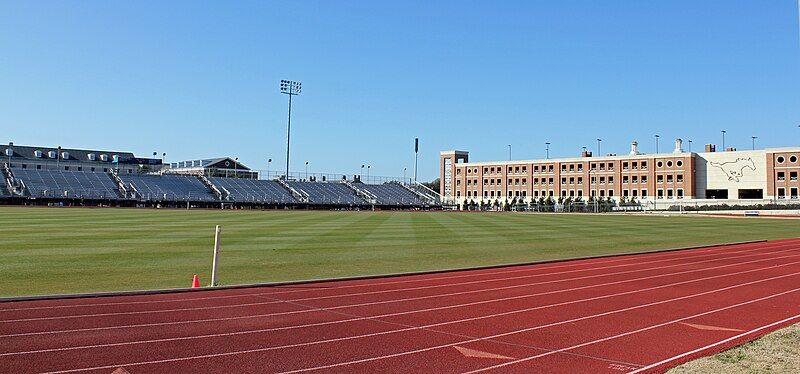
(69, 250)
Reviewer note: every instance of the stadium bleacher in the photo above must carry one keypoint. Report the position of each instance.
(60, 184)
(67, 184)
(168, 187)
(328, 193)
(392, 194)
(254, 190)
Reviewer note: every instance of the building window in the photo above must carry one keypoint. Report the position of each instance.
(781, 176)
(610, 166)
(659, 179)
(679, 163)
(781, 159)
(793, 159)
(669, 194)
(793, 175)
(634, 192)
(602, 180)
(781, 193)
(624, 179)
(624, 166)
(592, 166)
(644, 165)
(659, 164)
(610, 180)
(610, 193)
(563, 180)
(669, 178)
(660, 193)
(669, 164)
(793, 192)
(644, 179)
(679, 178)
(635, 179)
(625, 193)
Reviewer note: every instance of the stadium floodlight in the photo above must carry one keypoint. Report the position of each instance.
(657, 136)
(547, 150)
(723, 140)
(290, 88)
(269, 161)
(598, 146)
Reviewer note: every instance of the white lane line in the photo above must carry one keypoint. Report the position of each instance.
(473, 273)
(233, 353)
(640, 330)
(206, 308)
(376, 317)
(732, 338)
(404, 299)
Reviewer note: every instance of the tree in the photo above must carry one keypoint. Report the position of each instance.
(434, 184)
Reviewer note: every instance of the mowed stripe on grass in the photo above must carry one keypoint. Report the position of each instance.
(52, 250)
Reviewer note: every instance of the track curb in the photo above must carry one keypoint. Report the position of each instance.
(358, 277)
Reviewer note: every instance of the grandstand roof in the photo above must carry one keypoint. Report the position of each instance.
(72, 154)
(210, 163)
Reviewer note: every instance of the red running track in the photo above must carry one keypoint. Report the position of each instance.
(636, 313)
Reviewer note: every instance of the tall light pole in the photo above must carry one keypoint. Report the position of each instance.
(404, 174)
(269, 162)
(754, 141)
(290, 88)
(236, 167)
(509, 152)
(598, 146)
(657, 136)
(547, 150)
(306, 170)
(361, 174)
(416, 158)
(723, 140)
(368, 166)
(690, 145)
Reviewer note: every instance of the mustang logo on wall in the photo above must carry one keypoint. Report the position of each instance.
(735, 169)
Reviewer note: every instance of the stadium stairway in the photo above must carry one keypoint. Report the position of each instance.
(364, 194)
(302, 197)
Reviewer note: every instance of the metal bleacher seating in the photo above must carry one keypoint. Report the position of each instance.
(391, 194)
(254, 190)
(168, 187)
(67, 184)
(328, 193)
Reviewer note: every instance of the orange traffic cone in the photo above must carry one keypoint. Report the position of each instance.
(196, 281)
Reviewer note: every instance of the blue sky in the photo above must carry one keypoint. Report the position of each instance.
(200, 78)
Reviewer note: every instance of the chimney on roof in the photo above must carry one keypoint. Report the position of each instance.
(634, 148)
(678, 145)
(586, 153)
(711, 148)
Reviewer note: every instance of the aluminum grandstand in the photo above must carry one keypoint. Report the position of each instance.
(62, 178)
